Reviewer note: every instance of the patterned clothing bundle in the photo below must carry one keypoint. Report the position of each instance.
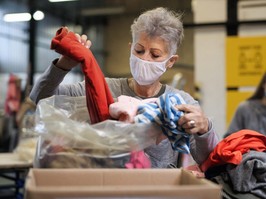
(164, 113)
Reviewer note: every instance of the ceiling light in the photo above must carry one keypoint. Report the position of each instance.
(38, 15)
(54, 1)
(17, 17)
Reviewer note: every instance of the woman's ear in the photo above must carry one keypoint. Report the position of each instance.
(129, 45)
(172, 61)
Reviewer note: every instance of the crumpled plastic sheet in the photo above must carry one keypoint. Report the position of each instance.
(63, 125)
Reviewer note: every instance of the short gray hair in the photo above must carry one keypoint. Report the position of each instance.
(160, 22)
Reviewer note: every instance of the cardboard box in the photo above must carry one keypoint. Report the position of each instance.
(118, 183)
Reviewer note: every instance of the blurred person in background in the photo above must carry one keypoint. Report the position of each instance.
(251, 113)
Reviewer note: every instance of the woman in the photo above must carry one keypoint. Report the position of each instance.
(156, 35)
(251, 114)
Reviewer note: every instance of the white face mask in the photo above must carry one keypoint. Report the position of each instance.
(146, 72)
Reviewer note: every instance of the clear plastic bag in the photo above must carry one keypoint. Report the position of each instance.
(67, 139)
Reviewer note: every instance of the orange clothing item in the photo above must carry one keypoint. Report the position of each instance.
(231, 148)
(98, 94)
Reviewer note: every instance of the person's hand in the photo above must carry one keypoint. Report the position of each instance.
(67, 63)
(193, 121)
(195, 170)
(160, 138)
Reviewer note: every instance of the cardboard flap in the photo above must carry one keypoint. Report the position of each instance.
(118, 183)
(105, 177)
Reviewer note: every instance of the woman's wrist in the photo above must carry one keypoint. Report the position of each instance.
(65, 63)
(206, 127)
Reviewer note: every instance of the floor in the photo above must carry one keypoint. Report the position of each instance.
(9, 182)
(6, 193)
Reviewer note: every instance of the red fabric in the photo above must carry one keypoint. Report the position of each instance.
(231, 148)
(138, 160)
(98, 94)
(12, 102)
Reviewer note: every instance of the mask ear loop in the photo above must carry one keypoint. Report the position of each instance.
(168, 66)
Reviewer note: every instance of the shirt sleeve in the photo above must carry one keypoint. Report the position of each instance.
(202, 145)
(48, 85)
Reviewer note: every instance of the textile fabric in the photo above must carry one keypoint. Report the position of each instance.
(98, 94)
(231, 148)
(164, 113)
(253, 166)
(138, 160)
(126, 107)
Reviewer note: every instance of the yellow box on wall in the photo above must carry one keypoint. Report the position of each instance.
(245, 60)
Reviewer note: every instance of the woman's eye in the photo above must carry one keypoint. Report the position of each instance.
(139, 51)
(155, 56)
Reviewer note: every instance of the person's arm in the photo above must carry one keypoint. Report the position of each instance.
(48, 84)
(203, 138)
(202, 145)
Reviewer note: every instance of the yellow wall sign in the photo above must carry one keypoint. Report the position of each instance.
(245, 60)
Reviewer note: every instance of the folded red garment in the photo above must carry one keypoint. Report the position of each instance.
(231, 148)
(98, 94)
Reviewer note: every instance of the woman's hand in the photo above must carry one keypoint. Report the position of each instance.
(193, 121)
(67, 63)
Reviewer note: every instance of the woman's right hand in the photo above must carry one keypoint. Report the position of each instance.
(67, 63)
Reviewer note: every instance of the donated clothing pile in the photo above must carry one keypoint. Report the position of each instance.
(238, 163)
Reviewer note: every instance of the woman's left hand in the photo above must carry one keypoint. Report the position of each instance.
(193, 121)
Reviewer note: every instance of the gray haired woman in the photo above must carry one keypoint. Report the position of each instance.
(156, 36)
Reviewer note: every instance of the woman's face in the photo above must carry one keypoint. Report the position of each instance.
(151, 49)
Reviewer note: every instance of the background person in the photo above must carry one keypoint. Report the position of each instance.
(251, 113)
